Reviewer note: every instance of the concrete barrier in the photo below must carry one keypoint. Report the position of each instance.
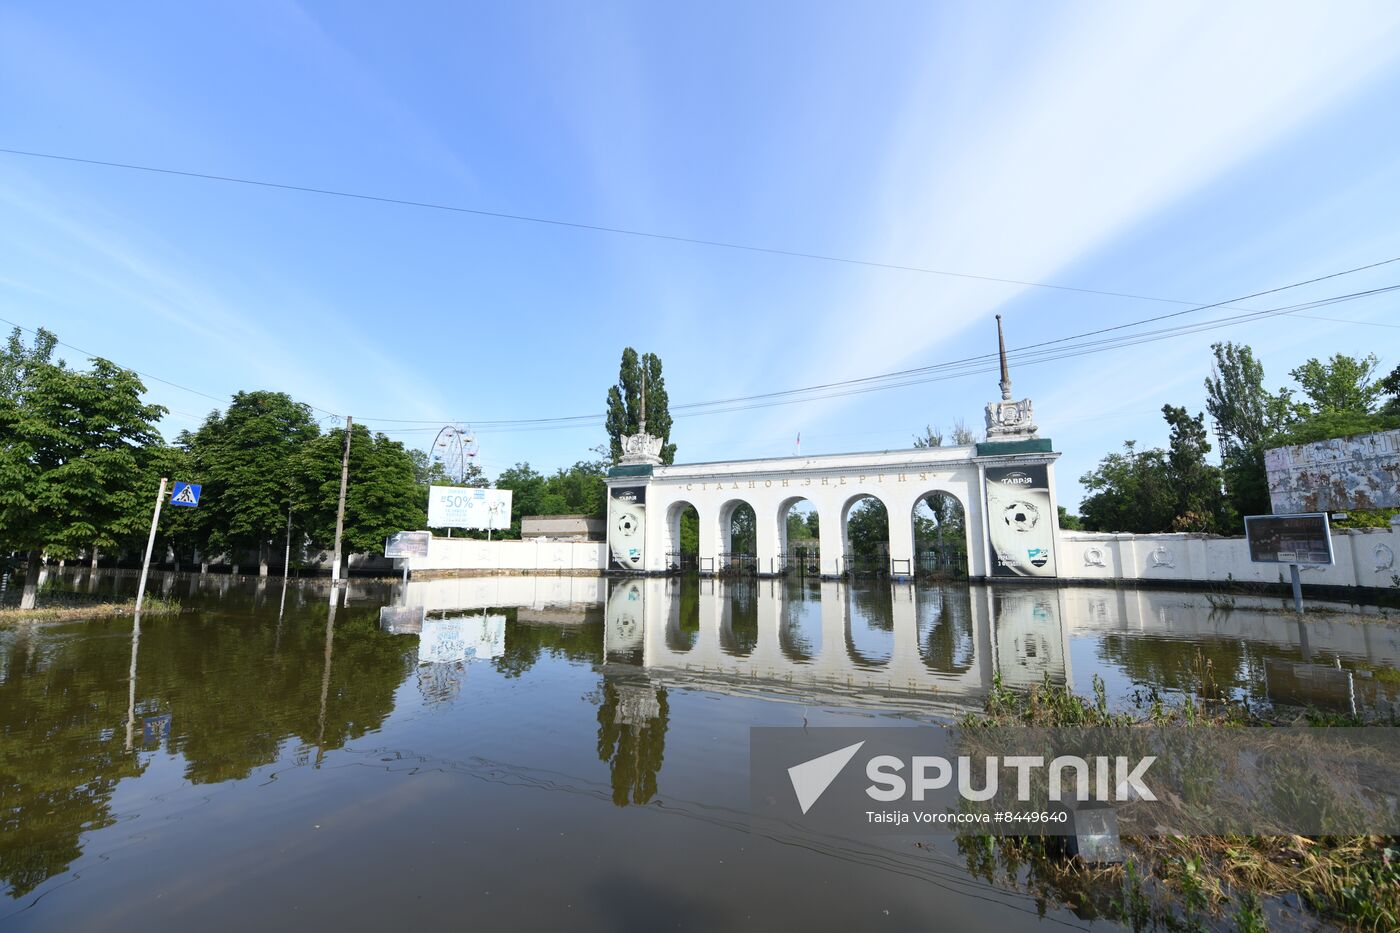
(468, 556)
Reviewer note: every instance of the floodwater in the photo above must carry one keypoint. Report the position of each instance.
(551, 752)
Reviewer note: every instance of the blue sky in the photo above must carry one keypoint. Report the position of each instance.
(1184, 151)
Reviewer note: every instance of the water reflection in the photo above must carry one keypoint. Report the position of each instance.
(250, 678)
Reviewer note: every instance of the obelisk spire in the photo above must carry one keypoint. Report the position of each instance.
(1005, 373)
(643, 428)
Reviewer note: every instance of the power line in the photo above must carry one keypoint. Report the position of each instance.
(943, 372)
(578, 225)
(174, 385)
(580, 420)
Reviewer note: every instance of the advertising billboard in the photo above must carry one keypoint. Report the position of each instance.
(1020, 521)
(627, 524)
(468, 507)
(1289, 539)
(407, 544)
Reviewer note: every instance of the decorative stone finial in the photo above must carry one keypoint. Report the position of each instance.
(1007, 418)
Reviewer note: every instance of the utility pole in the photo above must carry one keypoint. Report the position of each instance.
(287, 556)
(340, 509)
(150, 546)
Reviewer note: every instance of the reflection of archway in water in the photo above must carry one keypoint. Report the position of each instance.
(682, 536)
(870, 625)
(738, 633)
(798, 536)
(865, 536)
(946, 641)
(683, 621)
(940, 536)
(800, 632)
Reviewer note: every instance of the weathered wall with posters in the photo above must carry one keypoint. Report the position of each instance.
(1361, 472)
(1364, 557)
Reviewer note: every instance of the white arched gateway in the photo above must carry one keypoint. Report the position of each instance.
(1006, 490)
(1005, 487)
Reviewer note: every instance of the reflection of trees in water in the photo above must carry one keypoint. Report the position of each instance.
(871, 610)
(739, 636)
(632, 722)
(800, 636)
(60, 753)
(945, 629)
(1178, 664)
(683, 622)
(236, 694)
(527, 641)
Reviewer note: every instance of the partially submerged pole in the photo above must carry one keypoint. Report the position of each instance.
(340, 509)
(150, 546)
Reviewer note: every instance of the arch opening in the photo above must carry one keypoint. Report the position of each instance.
(865, 537)
(739, 537)
(682, 538)
(940, 537)
(799, 537)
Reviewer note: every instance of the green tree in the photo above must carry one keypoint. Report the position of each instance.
(964, 436)
(932, 437)
(72, 446)
(1343, 383)
(382, 496)
(1068, 520)
(742, 530)
(1129, 491)
(1390, 386)
(625, 403)
(868, 530)
(1246, 416)
(1200, 498)
(247, 459)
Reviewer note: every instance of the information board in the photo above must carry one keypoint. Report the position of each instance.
(408, 544)
(1304, 538)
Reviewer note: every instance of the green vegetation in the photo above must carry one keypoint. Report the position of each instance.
(1186, 882)
(74, 446)
(152, 606)
(1177, 489)
(625, 403)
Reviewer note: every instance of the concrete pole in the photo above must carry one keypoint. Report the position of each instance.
(340, 509)
(150, 546)
(287, 555)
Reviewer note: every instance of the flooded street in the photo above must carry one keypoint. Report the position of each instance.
(563, 752)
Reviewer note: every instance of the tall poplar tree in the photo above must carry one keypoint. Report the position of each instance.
(625, 403)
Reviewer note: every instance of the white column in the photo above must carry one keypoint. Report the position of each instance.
(711, 541)
(767, 541)
(831, 540)
(901, 524)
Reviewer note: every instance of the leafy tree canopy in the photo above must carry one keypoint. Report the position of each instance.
(625, 403)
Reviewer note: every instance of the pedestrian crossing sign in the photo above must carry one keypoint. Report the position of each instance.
(185, 494)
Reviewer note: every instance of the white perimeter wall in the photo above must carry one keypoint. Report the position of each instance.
(1364, 557)
(474, 556)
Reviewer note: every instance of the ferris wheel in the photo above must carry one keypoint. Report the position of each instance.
(454, 450)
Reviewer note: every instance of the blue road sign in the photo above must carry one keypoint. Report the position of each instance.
(185, 494)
